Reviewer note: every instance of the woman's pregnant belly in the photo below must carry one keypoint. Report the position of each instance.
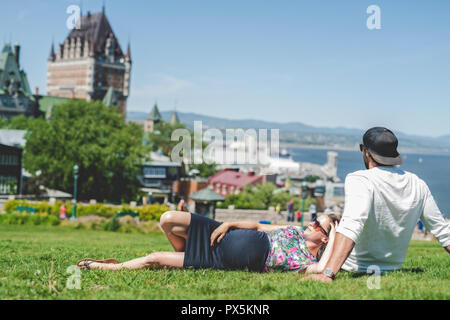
(245, 249)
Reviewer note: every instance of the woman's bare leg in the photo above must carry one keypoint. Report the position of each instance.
(175, 225)
(154, 260)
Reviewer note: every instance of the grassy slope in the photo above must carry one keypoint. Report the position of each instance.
(26, 249)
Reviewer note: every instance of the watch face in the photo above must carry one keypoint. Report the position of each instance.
(328, 272)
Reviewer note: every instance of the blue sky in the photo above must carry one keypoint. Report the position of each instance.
(310, 61)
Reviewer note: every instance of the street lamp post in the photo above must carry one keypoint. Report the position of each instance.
(304, 190)
(75, 179)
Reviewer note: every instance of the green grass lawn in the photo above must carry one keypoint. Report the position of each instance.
(26, 249)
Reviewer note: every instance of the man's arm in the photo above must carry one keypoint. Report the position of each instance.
(341, 250)
(434, 221)
(358, 202)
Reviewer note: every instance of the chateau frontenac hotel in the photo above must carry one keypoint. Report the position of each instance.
(90, 64)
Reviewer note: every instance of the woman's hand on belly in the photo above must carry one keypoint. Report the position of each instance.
(219, 232)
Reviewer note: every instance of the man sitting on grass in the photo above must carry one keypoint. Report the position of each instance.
(382, 207)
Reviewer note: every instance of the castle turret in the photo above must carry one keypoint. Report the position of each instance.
(174, 120)
(153, 118)
(52, 55)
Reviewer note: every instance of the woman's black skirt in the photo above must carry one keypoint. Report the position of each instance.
(240, 249)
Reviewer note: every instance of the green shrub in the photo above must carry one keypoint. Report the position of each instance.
(26, 219)
(97, 209)
(151, 212)
(146, 213)
(125, 224)
(53, 221)
(263, 197)
(111, 225)
(129, 229)
(11, 205)
(94, 224)
(35, 220)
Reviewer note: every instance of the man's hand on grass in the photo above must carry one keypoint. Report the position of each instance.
(318, 277)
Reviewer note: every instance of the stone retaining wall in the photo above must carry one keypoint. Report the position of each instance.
(225, 215)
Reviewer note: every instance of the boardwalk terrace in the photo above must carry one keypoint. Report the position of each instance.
(89, 63)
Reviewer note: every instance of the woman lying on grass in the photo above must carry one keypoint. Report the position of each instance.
(203, 243)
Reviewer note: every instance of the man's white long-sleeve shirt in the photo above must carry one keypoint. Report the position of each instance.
(382, 208)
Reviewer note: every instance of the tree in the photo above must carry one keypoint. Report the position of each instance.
(97, 139)
(20, 122)
(4, 122)
(161, 139)
(262, 197)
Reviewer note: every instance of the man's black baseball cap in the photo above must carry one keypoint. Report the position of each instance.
(382, 145)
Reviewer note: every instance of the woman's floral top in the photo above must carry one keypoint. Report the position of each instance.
(288, 250)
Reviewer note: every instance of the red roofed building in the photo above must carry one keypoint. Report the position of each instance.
(230, 181)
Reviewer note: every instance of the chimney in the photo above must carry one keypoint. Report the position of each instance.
(17, 54)
(36, 91)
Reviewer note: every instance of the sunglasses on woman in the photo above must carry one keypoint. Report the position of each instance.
(316, 225)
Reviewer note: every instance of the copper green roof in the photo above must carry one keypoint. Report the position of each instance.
(110, 98)
(10, 71)
(154, 114)
(206, 195)
(46, 104)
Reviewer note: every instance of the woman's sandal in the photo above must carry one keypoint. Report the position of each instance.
(85, 263)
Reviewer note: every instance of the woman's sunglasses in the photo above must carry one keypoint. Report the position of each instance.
(316, 225)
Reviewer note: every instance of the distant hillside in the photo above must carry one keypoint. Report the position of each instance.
(221, 123)
(297, 133)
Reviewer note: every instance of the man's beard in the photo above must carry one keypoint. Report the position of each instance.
(366, 161)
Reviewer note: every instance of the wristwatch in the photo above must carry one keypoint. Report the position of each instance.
(329, 273)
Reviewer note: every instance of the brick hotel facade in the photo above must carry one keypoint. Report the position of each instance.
(90, 63)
